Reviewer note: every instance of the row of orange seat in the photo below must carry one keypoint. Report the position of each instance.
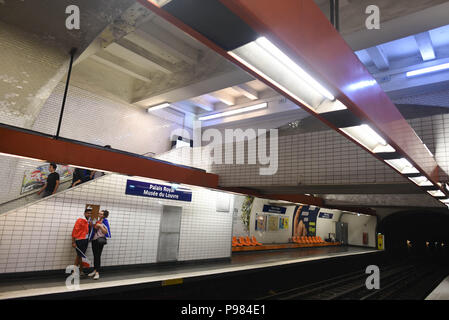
(307, 240)
(245, 242)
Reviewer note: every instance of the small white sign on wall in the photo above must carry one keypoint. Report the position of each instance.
(223, 202)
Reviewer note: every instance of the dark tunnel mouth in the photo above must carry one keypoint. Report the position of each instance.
(416, 226)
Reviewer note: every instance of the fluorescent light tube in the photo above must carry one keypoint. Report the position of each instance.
(436, 193)
(330, 106)
(263, 75)
(368, 138)
(422, 181)
(234, 112)
(159, 106)
(367, 129)
(418, 72)
(282, 57)
(402, 165)
(386, 148)
(445, 201)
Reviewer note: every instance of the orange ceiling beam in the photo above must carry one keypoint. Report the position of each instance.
(26, 144)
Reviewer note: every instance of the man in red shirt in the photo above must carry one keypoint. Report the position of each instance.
(80, 237)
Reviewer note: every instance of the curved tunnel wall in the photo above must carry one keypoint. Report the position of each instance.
(417, 226)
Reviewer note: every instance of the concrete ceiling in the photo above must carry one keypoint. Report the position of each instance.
(46, 19)
(389, 62)
(398, 19)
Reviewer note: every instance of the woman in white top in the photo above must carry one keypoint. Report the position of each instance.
(101, 231)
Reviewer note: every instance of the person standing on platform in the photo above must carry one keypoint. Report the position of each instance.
(80, 238)
(100, 232)
(52, 183)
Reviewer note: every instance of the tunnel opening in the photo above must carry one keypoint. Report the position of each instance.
(416, 233)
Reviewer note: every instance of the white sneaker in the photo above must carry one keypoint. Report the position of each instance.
(92, 273)
(97, 276)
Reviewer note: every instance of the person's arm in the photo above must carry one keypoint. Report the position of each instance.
(102, 227)
(92, 174)
(56, 187)
(73, 242)
(42, 189)
(76, 182)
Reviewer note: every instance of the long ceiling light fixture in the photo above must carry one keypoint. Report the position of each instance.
(234, 112)
(402, 165)
(286, 61)
(421, 181)
(369, 138)
(271, 63)
(159, 106)
(422, 71)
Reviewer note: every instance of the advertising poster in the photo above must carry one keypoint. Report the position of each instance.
(273, 223)
(304, 220)
(261, 223)
(283, 223)
(35, 179)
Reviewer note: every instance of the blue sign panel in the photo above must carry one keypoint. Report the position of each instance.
(274, 209)
(145, 189)
(326, 215)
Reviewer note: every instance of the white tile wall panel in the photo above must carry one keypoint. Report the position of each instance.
(438, 99)
(326, 157)
(91, 118)
(38, 237)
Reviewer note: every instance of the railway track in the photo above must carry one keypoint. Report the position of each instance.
(395, 282)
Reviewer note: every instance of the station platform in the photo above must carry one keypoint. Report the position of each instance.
(283, 246)
(441, 292)
(161, 275)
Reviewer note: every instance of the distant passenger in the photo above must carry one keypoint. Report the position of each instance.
(52, 183)
(100, 232)
(80, 176)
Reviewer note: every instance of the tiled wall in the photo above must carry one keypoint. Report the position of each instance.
(326, 157)
(438, 99)
(91, 118)
(323, 157)
(357, 225)
(38, 237)
(434, 132)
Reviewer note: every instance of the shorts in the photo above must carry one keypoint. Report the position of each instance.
(82, 246)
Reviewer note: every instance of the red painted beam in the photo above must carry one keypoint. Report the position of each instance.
(295, 198)
(35, 146)
(300, 27)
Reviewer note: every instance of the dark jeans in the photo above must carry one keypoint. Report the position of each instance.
(47, 193)
(97, 249)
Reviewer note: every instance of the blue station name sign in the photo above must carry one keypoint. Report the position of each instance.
(153, 190)
(274, 209)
